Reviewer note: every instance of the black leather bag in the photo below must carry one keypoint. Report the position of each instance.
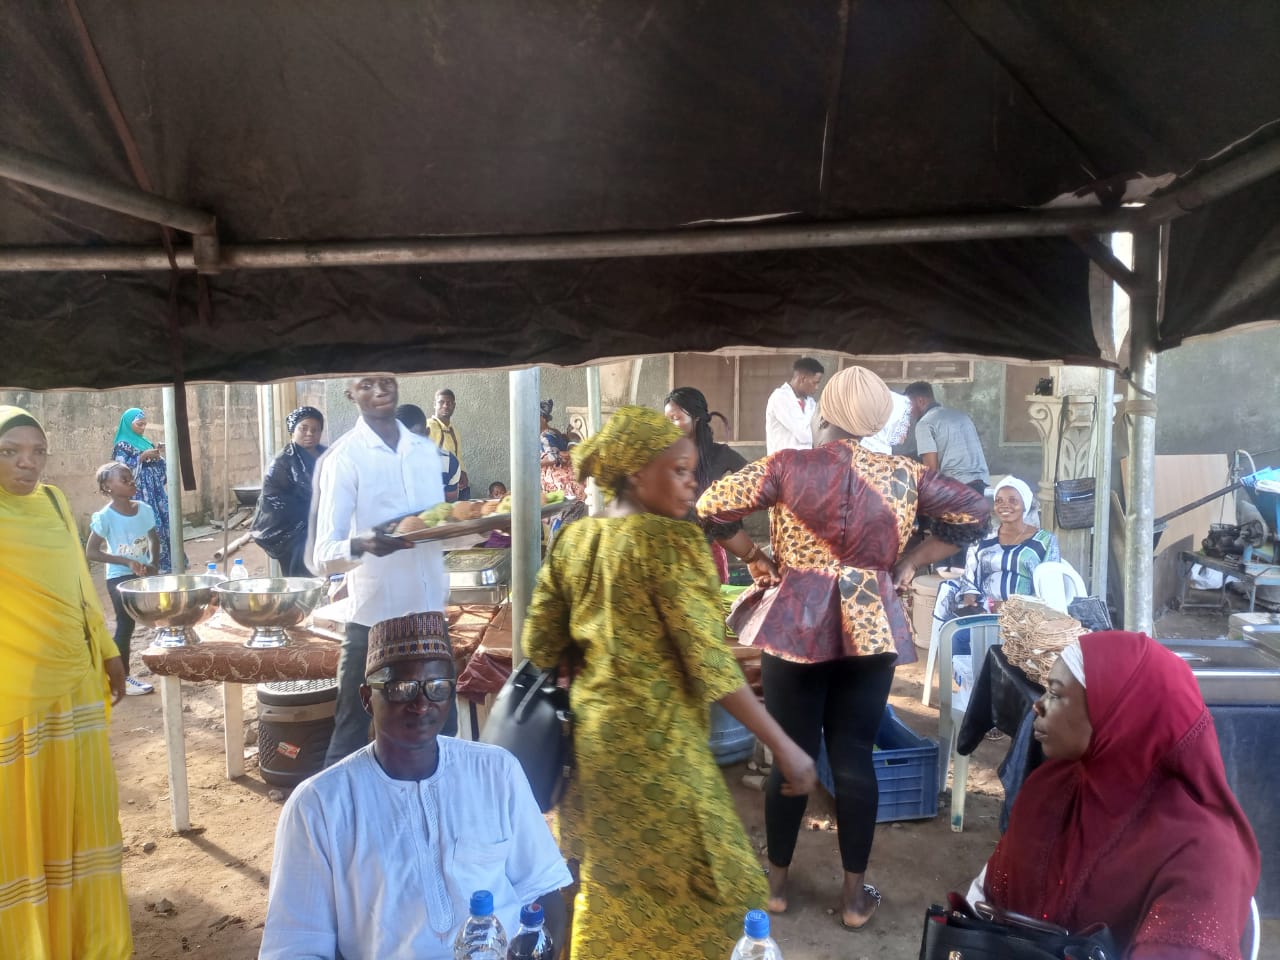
(1073, 500)
(531, 718)
(948, 935)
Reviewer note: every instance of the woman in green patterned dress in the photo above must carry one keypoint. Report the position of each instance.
(666, 869)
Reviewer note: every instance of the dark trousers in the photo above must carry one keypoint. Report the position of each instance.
(350, 721)
(124, 622)
(295, 563)
(843, 701)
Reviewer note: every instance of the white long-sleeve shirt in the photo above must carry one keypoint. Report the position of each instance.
(361, 482)
(371, 868)
(788, 421)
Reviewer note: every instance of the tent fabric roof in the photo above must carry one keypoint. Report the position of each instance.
(411, 118)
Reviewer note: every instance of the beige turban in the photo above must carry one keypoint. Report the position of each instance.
(856, 401)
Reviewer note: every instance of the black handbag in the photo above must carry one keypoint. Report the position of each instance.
(1072, 499)
(531, 718)
(950, 935)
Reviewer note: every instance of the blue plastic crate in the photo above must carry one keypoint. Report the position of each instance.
(906, 772)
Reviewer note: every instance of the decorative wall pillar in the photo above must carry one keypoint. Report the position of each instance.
(1077, 460)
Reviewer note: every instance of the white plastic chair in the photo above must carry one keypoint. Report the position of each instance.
(1057, 584)
(947, 590)
(984, 633)
(1251, 944)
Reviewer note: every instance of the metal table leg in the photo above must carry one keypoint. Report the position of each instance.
(175, 746)
(233, 727)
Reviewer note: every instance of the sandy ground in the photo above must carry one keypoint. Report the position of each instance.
(203, 893)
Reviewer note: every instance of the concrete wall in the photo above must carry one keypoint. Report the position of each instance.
(1222, 394)
(81, 425)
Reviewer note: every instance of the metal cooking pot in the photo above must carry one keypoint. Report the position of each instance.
(247, 494)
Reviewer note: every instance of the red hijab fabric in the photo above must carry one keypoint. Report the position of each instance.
(1142, 833)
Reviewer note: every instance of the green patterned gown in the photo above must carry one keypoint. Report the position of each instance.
(666, 867)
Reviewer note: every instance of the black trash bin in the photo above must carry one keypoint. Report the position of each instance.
(295, 722)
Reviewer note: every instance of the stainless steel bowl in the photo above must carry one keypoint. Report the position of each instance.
(172, 604)
(269, 604)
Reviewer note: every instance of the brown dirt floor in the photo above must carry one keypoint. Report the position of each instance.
(216, 875)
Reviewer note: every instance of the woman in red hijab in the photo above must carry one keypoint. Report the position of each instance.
(1130, 822)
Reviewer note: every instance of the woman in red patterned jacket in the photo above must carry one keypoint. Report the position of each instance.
(834, 630)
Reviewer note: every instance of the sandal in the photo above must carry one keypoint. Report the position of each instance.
(874, 894)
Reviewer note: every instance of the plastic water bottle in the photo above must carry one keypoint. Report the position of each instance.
(531, 942)
(220, 619)
(238, 571)
(482, 936)
(756, 944)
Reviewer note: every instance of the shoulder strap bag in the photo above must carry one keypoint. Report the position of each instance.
(531, 718)
(1072, 499)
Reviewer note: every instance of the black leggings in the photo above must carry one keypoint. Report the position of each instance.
(124, 622)
(843, 700)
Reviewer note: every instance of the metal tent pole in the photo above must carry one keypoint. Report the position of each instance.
(1237, 173)
(173, 479)
(580, 246)
(226, 475)
(1105, 426)
(595, 420)
(45, 174)
(525, 388)
(1141, 409)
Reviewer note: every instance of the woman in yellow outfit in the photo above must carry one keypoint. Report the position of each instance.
(61, 893)
(666, 869)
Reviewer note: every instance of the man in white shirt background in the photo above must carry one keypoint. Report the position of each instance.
(788, 416)
(375, 472)
(378, 855)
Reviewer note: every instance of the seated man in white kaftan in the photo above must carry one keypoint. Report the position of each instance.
(378, 855)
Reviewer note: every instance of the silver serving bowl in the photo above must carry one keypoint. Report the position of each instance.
(269, 604)
(171, 604)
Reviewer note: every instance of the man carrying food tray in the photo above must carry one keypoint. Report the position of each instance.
(377, 471)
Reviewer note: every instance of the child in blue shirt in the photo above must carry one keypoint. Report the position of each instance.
(123, 536)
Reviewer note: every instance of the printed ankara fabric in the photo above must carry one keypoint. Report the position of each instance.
(841, 515)
(666, 866)
(1142, 833)
(998, 571)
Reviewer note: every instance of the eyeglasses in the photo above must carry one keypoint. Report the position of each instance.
(406, 691)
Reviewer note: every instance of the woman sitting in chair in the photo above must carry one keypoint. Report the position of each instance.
(1130, 822)
(1003, 564)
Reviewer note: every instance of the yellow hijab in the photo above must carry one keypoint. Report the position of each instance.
(51, 627)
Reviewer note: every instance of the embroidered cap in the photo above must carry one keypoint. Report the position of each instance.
(419, 636)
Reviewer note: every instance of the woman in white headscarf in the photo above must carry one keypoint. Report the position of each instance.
(1004, 563)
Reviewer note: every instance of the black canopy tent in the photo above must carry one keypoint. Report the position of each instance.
(429, 185)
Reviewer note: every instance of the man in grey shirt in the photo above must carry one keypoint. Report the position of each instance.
(946, 439)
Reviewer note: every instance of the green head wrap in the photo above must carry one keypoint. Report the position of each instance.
(631, 439)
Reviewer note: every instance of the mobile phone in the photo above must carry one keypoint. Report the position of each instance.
(998, 915)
